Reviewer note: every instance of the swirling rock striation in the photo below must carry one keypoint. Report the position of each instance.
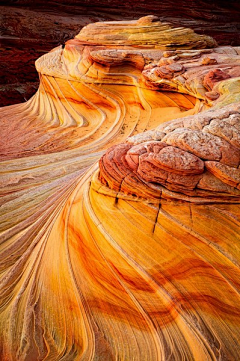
(147, 32)
(137, 257)
(29, 29)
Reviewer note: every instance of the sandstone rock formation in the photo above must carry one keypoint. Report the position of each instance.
(31, 28)
(134, 257)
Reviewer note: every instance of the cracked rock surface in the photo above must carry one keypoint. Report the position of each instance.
(120, 200)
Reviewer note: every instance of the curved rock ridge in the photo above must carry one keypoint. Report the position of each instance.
(28, 30)
(136, 43)
(146, 32)
(135, 257)
(95, 94)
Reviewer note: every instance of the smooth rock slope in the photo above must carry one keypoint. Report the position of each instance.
(120, 200)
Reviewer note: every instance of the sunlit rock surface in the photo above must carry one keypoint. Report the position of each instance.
(31, 28)
(136, 258)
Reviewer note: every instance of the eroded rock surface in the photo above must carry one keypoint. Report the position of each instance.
(135, 256)
(198, 156)
(29, 29)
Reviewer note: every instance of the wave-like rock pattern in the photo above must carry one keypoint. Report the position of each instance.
(137, 258)
(29, 29)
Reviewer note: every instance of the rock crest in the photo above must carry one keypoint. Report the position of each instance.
(120, 200)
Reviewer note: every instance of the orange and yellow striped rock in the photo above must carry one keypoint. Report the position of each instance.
(120, 225)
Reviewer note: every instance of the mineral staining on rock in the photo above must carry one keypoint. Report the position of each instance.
(136, 258)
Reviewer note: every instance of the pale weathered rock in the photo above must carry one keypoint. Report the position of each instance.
(135, 257)
(201, 73)
(29, 29)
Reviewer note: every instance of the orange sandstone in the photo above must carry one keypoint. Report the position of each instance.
(135, 257)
